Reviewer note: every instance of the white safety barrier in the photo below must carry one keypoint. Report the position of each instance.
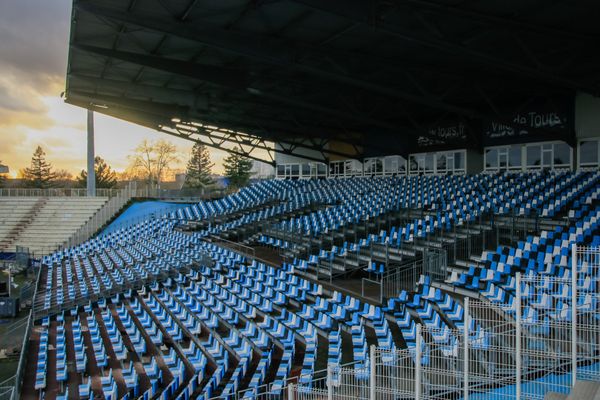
(541, 337)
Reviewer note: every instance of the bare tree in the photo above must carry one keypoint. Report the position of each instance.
(63, 178)
(152, 160)
(166, 154)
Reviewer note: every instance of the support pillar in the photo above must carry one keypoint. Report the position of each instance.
(372, 372)
(329, 383)
(418, 363)
(574, 315)
(91, 174)
(467, 323)
(518, 342)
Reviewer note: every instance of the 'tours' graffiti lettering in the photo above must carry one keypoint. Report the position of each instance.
(538, 120)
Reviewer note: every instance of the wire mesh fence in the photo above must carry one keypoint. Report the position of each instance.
(394, 373)
(541, 337)
(8, 389)
(11, 387)
(349, 382)
(587, 315)
(538, 341)
(546, 338)
(491, 353)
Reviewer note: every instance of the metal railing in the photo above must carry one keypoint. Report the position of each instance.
(154, 214)
(293, 385)
(55, 192)
(465, 240)
(405, 276)
(205, 193)
(435, 263)
(392, 282)
(181, 194)
(235, 246)
(10, 389)
(38, 252)
(525, 348)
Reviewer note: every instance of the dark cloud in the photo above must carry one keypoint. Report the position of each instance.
(34, 38)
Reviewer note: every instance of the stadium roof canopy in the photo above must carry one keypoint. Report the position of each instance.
(374, 75)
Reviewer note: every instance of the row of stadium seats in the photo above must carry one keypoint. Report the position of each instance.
(158, 313)
(464, 204)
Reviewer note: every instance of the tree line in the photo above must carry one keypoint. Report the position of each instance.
(149, 163)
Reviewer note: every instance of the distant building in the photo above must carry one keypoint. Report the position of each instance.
(262, 170)
(4, 169)
(180, 179)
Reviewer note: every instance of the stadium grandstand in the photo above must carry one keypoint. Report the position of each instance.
(431, 232)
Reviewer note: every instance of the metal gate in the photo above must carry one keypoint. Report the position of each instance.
(435, 263)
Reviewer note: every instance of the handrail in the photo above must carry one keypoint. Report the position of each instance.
(55, 192)
(238, 247)
(161, 212)
(392, 281)
(193, 195)
(19, 375)
(36, 288)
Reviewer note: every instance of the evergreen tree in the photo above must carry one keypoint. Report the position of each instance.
(106, 178)
(237, 169)
(198, 168)
(40, 174)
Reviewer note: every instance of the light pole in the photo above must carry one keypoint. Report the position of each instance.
(91, 173)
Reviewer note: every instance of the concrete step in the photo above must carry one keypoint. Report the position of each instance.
(44, 223)
(585, 390)
(555, 396)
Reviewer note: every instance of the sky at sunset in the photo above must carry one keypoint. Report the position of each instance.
(33, 59)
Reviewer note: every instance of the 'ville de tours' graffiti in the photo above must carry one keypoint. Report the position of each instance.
(524, 121)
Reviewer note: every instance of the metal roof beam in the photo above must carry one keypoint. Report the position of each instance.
(266, 133)
(167, 110)
(250, 121)
(281, 130)
(199, 102)
(151, 121)
(218, 75)
(503, 22)
(225, 78)
(208, 140)
(169, 113)
(180, 97)
(360, 11)
(268, 50)
(138, 117)
(218, 136)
